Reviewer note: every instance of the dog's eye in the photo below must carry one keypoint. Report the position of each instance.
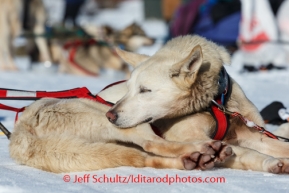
(144, 90)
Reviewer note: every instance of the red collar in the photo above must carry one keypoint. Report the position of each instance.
(224, 93)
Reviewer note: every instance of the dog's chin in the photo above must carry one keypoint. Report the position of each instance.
(148, 120)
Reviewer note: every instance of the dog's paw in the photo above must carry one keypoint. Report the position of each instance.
(211, 152)
(197, 160)
(276, 166)
(219, 150)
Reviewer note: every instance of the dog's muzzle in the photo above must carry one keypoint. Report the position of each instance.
(111, 116)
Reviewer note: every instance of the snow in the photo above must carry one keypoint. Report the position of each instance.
(261, 88)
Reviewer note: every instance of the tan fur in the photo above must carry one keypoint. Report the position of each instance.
(74, 135)
(92, 59)
(10, 24)
(96, 57)
(176, 86)
(131, 37)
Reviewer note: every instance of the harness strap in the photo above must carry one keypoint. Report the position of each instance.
(71, 57)
(13, 94)
(9, 108)
(25, 15)
(222, 122)
(115, 83)
(72, 50)
(249, 123)
(72, 93)
(78, 43)
(253, 125)
(224, 93)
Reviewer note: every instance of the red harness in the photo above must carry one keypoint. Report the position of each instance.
(222, 115)
(72, 47)
(222, 122)
(224, 93)
(9, 94)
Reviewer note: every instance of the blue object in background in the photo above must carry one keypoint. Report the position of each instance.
(225, 32)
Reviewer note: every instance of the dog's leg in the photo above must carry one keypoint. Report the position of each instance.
(2, 58)
(283, 130)
(6, 60)
(253, 139)
(198, 153)
(248, 159)
(38, 29)
(15, 28)
(271, 147)
(42, 43)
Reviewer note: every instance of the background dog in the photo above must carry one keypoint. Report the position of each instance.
(91, 58)
(11, 12)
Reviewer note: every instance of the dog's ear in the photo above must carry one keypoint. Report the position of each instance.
(131, 58)
(189, 67)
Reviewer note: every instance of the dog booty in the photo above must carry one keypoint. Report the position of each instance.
(275, 113)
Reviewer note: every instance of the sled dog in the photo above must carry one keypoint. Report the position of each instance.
(11, 26)
(68, 135)
(132, 37)
(90, 59)
(174, 88)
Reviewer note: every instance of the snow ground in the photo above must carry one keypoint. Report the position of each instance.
(262, 88)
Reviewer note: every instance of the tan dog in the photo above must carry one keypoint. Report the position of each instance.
(10, 24)
(130, 38)
(181, 80)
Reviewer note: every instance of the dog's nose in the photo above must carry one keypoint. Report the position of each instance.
(111, 116)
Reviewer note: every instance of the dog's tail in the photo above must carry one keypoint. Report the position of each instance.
(70, 154)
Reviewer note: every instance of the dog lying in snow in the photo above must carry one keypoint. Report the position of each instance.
(74, 135)
(181, 80)
(171, 89)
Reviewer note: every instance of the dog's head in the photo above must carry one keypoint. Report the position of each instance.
(133, 37)
(181, 78)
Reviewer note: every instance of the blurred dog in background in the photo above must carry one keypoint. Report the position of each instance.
(132, 38)
(89, 57)
(17, 16)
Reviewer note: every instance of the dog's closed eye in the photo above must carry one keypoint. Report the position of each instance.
(144, 90)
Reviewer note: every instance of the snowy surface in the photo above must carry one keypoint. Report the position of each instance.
(262, 88)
